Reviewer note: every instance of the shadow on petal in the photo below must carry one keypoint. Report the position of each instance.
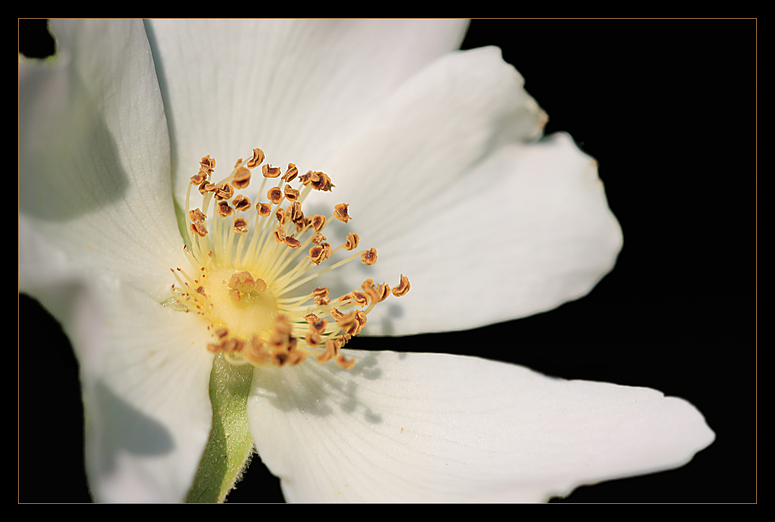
(319, 390)
(69, 163)
(441, 428)
(127, 430)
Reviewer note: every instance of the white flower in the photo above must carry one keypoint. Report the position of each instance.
(437, 153)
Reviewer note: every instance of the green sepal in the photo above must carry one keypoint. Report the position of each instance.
(230, 447)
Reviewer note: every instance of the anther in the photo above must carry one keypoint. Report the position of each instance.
(291, 173)
(265, 320)
(241, 203)
(224, 209)
(241, 178)
(319, 295)
(322, 183)
(360, 298)
(351, 242)
(206, 187)
(294, 212)
(291, 194)
(275, 195)
(224, 191)
(340, 212)
(317, 222)
(279, 233)
(320, 253)
(257, 159)
(318, 181)
(377, 294)
(199, 177)
(292, 242)
(196, 215)
(403, 287)
(198, 228)
(317, 325)
(207, 163)
(271, 172)
(240, 225)
(369, 257)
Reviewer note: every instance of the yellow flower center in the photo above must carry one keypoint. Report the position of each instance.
(249, 263)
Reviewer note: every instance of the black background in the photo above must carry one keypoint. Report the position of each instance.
(669, 110)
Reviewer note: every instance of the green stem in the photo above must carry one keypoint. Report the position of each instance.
(230, 447)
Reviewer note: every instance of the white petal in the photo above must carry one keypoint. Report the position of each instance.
(422, 427)
(445, 183)
(145, 375)
(94, 157)
(541, 236)
(97, 237)
(291, 87)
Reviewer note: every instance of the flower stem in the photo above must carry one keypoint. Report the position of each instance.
(230, 447)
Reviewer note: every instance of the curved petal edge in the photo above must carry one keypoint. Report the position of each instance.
(441, 428)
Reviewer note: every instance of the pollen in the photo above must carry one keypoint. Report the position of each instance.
(251, 265)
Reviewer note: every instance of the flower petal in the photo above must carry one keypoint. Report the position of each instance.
(444, 181)
(94, 157)
(145, 375)
(427, 428)
(97, 237)
(544, 233)
(291, 87)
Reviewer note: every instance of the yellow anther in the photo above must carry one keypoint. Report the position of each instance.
(257, 159)
(403, 287)
(241, 203)
(241, 178)
(291, 173)
(351, 242)
(240, 225)
(224, 209)
(207, 163)
(369, 257)
(198, 228)
(275, 195)
(291, 194)
(224, 191)
(196, 216)
(271, 172)
(340, 212)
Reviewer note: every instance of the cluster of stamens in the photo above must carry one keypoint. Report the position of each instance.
(247, 261)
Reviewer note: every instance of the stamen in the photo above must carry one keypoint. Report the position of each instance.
(247, 286)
